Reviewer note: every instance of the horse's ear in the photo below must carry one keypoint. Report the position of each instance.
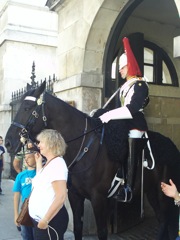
(40, 89)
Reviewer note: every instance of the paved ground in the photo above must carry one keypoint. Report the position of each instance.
(8, 231)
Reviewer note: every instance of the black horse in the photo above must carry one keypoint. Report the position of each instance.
(92, 166)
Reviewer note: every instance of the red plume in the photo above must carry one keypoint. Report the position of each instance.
(133, 68)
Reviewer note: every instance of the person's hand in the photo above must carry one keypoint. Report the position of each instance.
(170, 190)
(29, 145)
(106, 117)
(17, 224)
(42, 224)
(38, 157)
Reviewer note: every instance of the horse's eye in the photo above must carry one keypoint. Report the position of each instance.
(26, 109)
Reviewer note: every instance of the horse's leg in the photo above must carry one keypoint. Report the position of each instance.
(168, 224)
(99, 204)
(169, 220)
(77, 206)
(153, 200)
(156, 202)
(166, 214)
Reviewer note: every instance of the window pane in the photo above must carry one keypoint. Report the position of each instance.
(166, 76)
(148, 56)
(148, 73)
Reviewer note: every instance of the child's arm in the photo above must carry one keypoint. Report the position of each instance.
(17, 164)
(17, 196)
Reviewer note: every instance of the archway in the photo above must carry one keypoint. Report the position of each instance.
(134, 18)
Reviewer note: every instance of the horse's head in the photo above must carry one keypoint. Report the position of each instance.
(24, 125)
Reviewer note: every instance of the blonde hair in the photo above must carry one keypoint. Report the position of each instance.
(54, 140)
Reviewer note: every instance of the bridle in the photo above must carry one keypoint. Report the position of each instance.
(40, 107)
(24, 133)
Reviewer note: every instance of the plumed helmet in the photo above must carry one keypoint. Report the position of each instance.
(133, 67)
(122, 61)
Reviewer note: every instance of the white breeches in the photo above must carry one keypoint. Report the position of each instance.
(136, 133)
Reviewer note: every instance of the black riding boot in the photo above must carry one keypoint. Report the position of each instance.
(136, 145)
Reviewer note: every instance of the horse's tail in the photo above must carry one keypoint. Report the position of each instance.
(167, 158)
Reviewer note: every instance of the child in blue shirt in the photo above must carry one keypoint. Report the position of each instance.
(22, 189)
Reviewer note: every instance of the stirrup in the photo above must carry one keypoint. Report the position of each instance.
(127, 195)
(115, 185)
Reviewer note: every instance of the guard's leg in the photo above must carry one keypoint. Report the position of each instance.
(136, 146)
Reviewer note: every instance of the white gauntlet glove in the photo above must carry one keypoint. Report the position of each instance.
(115, 114)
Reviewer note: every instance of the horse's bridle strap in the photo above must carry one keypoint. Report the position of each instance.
(35, 114)
(82, 153)
(18, 125)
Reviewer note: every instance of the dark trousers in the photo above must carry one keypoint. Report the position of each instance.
(57, 226)
(27, 233)
(1, 169)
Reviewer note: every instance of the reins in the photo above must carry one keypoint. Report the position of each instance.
(85, 133)
(76, 158)
(84, 150)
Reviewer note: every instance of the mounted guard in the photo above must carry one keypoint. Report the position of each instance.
(133, 97)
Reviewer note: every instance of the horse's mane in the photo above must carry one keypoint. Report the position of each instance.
(31, 93)
(68, 106)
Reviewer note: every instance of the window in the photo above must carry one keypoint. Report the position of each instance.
(158, 67)
(148, 64)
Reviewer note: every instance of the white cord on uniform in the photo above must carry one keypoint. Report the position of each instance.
(151, 154)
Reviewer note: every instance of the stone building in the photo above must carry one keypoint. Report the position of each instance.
(80, 41)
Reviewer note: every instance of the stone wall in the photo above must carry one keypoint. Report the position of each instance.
(163, 115)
